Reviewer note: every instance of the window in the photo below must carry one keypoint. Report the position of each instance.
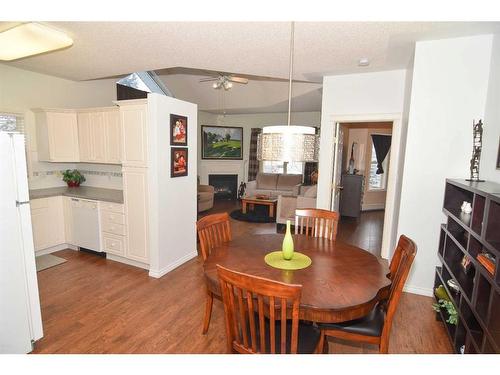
(294, 167)
(11, 122)
(377, 181)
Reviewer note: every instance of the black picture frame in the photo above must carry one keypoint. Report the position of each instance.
(175, 158)
(213, 139)
(177, 139)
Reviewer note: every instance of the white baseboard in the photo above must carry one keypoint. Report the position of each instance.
(130, 262)
(373, 207)
(53, 249)
(159, 273)
(418, 290)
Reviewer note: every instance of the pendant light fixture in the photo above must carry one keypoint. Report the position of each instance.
(288, 143)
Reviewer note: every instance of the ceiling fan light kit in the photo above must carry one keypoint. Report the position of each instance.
(30, 39)
(289, 143)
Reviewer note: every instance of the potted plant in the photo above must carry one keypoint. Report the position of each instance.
(73, 177)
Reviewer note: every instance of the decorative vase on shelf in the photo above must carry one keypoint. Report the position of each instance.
(287, 247)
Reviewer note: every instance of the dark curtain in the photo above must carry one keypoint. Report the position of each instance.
(382, 144)
(253, 163)
(309, 169)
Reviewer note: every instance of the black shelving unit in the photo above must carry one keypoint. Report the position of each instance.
(478, 299)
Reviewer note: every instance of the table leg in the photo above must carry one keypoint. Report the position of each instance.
(271, 210)
(244, 207)
(252, 207)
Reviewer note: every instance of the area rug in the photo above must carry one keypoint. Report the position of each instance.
(46, 261)
(259, 215)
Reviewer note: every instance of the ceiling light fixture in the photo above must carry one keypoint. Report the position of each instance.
(223, 82)
(287, 143)
(30, 39)
(363, 62)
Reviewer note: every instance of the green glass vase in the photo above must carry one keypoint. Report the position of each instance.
(287, 248)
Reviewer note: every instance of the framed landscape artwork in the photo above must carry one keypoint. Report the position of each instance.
(179, 161)
(178, 130)
(221, 142)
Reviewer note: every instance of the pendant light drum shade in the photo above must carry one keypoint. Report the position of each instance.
(290, 143)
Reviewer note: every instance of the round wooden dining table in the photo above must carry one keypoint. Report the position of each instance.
(343, 282)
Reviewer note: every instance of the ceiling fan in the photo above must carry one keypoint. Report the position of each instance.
(224, 81)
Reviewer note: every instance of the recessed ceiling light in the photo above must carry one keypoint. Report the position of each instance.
(363, 62)
(30, 39)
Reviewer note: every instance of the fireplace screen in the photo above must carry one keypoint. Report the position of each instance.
(225, 185)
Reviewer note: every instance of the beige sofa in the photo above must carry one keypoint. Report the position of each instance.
(205, 197)
(274, 184)
(286, 205)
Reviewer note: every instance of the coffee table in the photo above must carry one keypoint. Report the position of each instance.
(251, 201)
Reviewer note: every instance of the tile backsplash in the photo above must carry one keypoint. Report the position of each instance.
(96, 175)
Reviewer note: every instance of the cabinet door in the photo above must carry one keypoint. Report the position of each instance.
(134, 137)
(112, 137)
(84, 137)
(56, 220)
(40, 223)
(98, 137)
(135, 191)
(67, 220)
(63, 136)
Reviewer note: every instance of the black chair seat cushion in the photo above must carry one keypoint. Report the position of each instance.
(370, 325)
(307, 339)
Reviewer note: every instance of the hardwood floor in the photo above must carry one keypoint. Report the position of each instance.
(94, 305)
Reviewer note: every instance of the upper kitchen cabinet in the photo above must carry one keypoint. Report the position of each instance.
(57, 135)
(133, 121)
(99, 135)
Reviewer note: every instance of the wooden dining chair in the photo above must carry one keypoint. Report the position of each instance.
(213, 230)
(375, 328)
(316, 222)
(262, 315)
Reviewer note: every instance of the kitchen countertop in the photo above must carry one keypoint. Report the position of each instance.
(84, 192)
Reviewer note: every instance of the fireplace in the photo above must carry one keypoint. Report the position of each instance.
(225, 185)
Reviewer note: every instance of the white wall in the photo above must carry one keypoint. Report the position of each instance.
(173, 201)
(367, 97)
(491, 134)
(21, 90)
(247, 121)
(354, 95)
(449, 91)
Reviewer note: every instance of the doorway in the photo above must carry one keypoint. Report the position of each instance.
(360, 177)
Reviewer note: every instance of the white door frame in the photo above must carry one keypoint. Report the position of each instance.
(394, 179)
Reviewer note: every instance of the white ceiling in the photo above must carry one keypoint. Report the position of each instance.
(106, 49)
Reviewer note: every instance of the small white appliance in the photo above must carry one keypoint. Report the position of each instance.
(20, 316)
(85, 217)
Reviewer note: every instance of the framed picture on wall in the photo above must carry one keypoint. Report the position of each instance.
(178, 130)
(178, 161)
(221, 142)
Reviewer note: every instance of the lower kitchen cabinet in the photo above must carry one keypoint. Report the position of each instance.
(47, 219)
(135, 195)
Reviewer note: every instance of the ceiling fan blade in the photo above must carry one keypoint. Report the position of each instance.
(209, 79)
(239, 80)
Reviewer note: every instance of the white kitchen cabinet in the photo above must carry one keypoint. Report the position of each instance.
(113, 136)
(133, 122)
(113, 228)
(47, 218)
(57, 135)
(85, 137)
(135, 194)
(99, 135)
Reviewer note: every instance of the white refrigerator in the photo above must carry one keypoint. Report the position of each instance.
(20, 316)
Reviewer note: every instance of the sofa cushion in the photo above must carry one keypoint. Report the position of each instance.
(311, 192)
(267, 181)
(288, 181)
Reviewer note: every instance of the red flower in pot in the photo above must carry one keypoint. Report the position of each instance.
(73, 177)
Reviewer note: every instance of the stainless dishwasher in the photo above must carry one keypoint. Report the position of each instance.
(85, 215)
